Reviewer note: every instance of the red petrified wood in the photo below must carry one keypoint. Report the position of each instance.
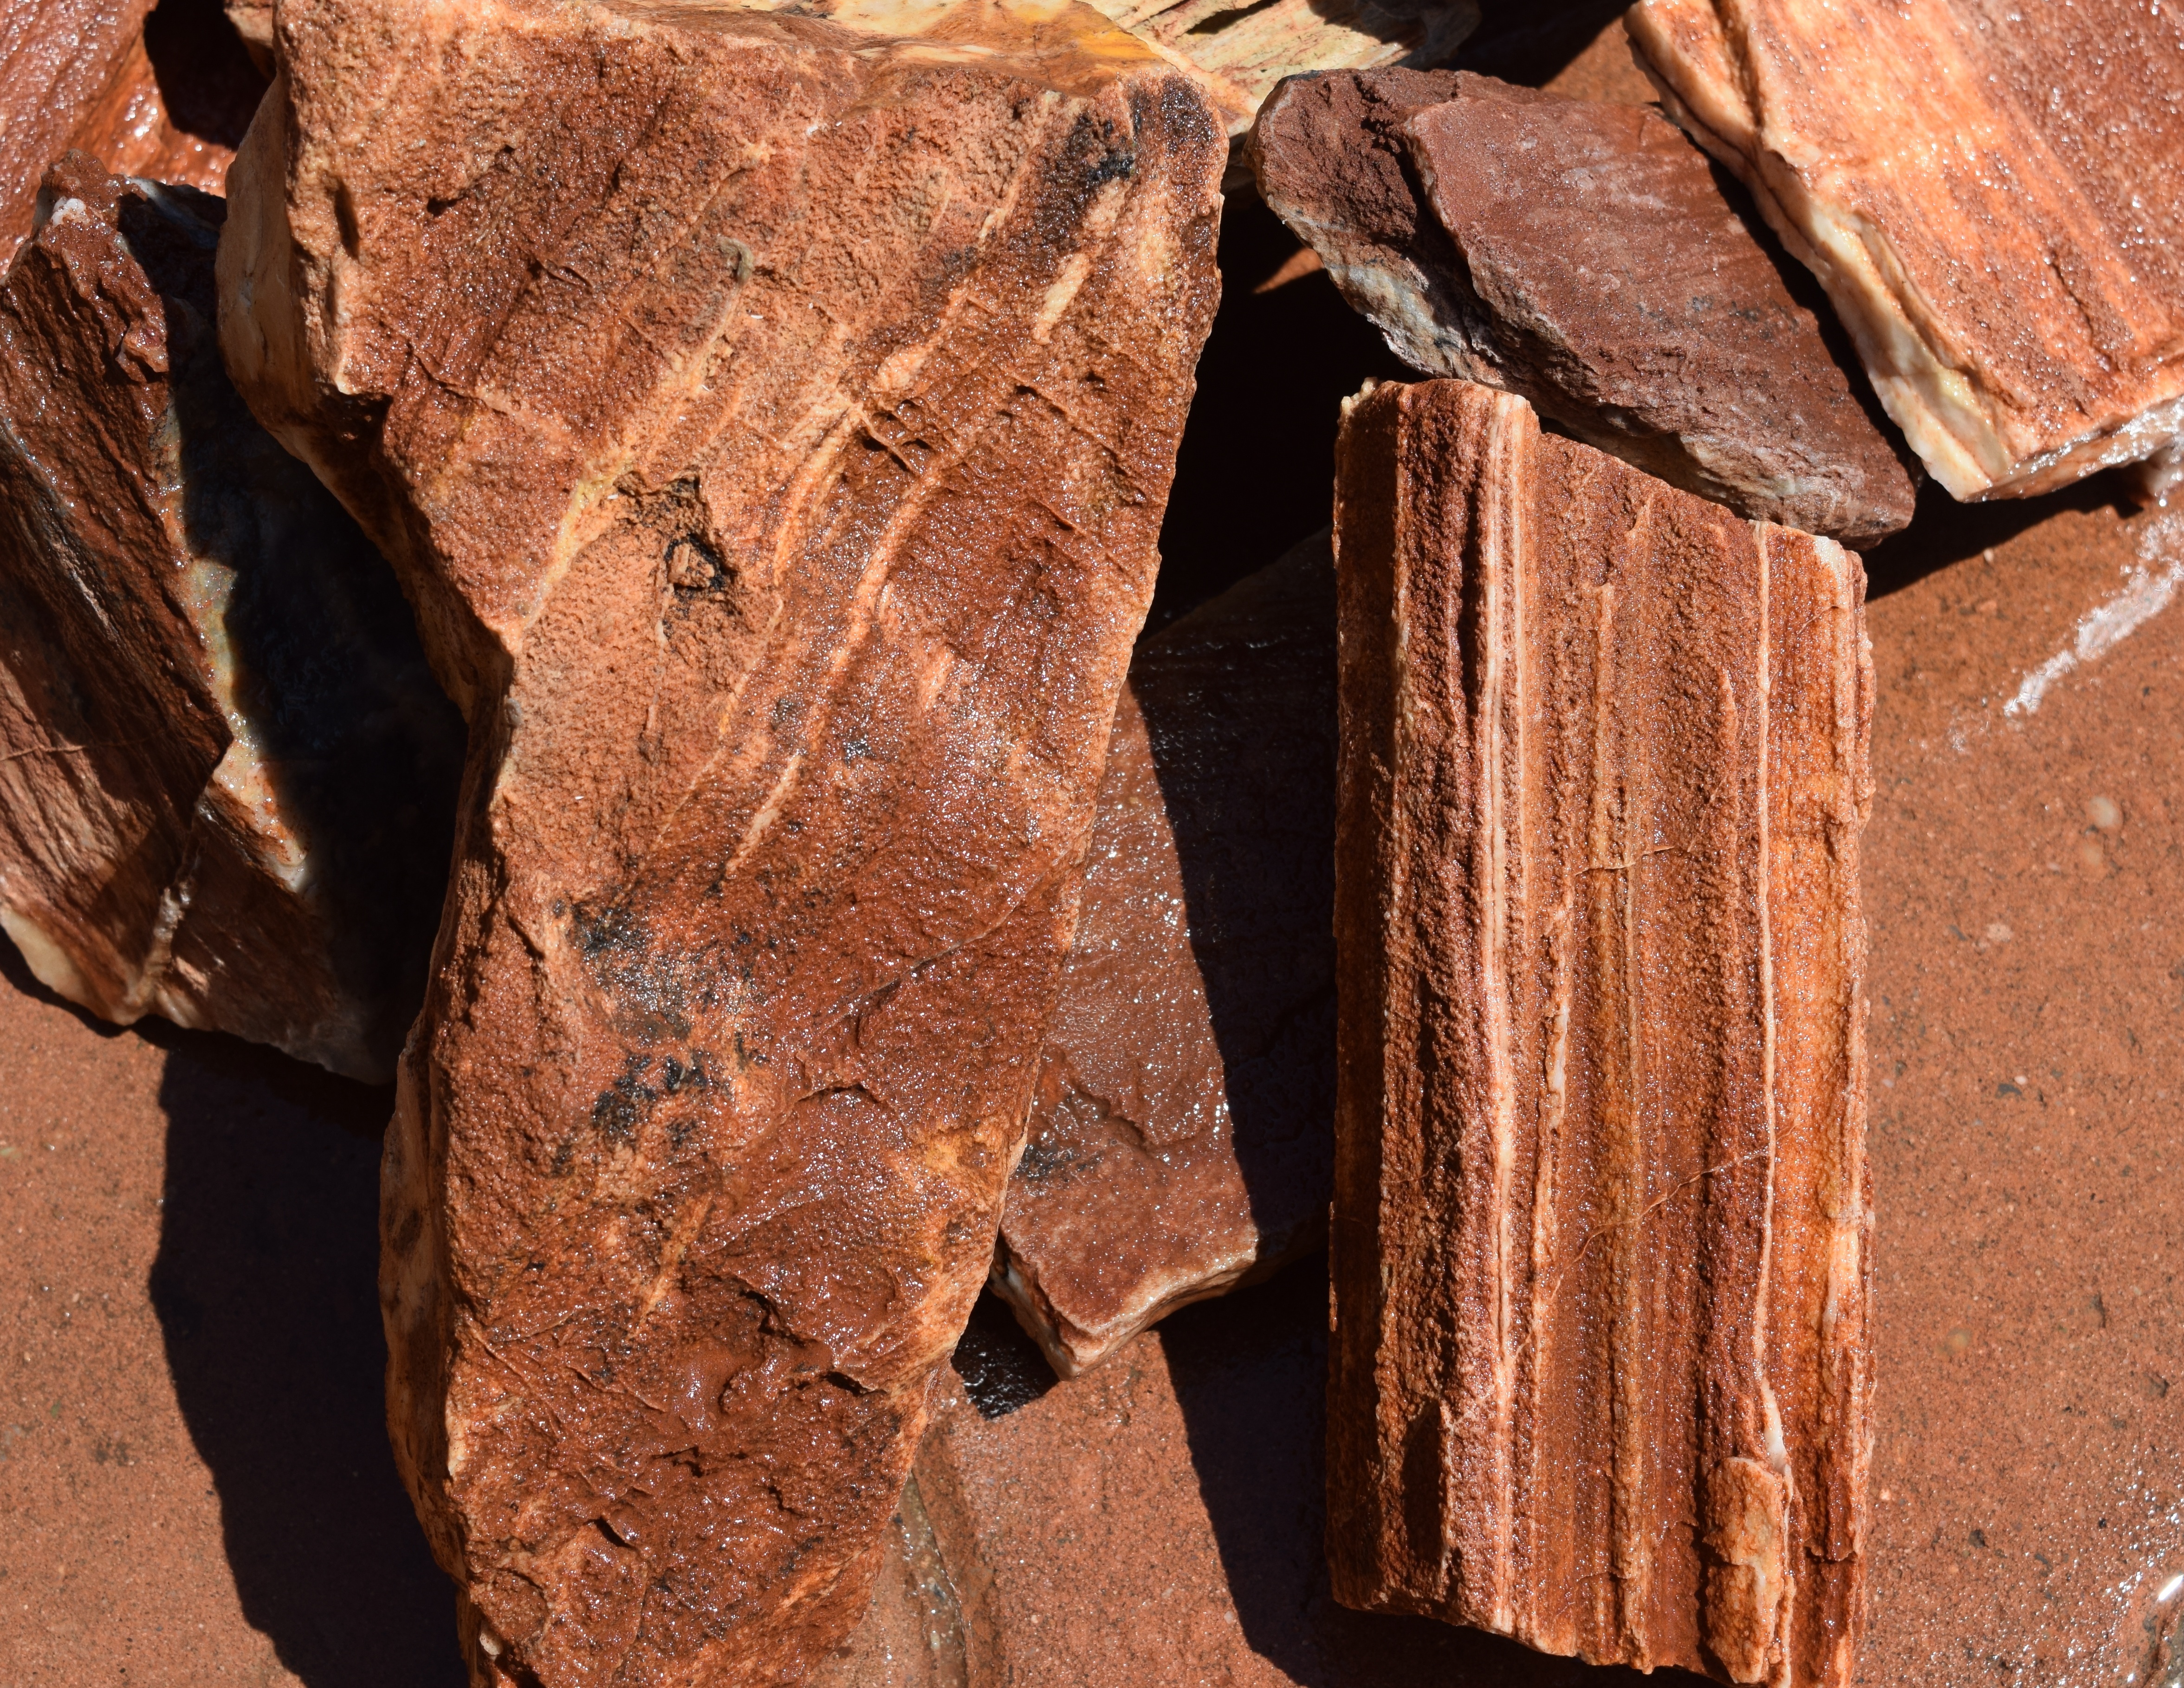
(772, 423)
(1599, 1379)
(1984, 191)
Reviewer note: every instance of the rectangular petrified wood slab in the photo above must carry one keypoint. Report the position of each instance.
(227, 779)
(772, 423)
(1984, 191)
(1599, 1378)
(1182, 1130)
(1581, 254)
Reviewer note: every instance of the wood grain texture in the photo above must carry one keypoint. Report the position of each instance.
(772, 424)
(1983, 189)
(1599, 1376)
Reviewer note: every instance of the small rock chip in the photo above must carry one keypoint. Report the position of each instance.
(1183, 1131)
(227, 778)
(1580, 254)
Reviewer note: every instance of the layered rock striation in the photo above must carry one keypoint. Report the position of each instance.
(227, 780)
(1977, 188)
(1182, 1130)
(771, 420)
(1600, 1376)
(1581, 255)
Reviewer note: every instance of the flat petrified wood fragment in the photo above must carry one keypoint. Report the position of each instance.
(227, 780)
(1580, 254)
(77, 74)
(772, 424)
(1983, 191)
(1600, 1375)
(1182, 1132)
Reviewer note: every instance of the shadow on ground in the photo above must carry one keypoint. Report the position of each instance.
(266, 1289)
(1250, 1374)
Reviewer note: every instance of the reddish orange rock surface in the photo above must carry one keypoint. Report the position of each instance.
(227, 779)
(772, 424)
(164, 95)
(1182, 1133)
(1978, 187)
(1600, 1377)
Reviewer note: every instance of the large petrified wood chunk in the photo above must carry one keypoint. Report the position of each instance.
(1600, 1376)
(1182, 1133)
(227, 780)
(1580, 254)
(773, 424)
(1981, 190)
(78, 75)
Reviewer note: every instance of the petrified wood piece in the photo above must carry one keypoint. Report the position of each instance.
(1183, 1127)
(227, 779)
(1242, 49)
(1580, 254)
(772, 424)
(1600, 1375)
(76, 75)
(1980, 189)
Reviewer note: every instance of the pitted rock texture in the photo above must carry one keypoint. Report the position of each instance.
(1600, 1377)
(227, 780)
(1183, 1130)
(772, 424)
(76, 75)
(1975, 186)
(1580, 254)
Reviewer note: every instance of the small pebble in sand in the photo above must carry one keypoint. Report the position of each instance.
(1959, 1339)
(2104, 812)
(1997, 933)
(2091, 855)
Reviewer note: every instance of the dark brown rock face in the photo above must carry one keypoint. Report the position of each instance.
(772, 424)
(227, 779)
(1580, 254)
(1182, 1133)
(76, 75)
(1600, 1376)
(1974, 186)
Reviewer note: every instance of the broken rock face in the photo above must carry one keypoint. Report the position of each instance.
(226, 777)
(1600, 1376)
(1580, 254)
(1972, 188)
(1180, 1140)
(772, 424)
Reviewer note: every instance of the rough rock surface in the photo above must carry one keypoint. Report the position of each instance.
(76, 75)
(1979, 189)
(1580, 254)
(1600, 1376)
(1183, 1131)
(227, 780)
(772, 423)
(1244, 50)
